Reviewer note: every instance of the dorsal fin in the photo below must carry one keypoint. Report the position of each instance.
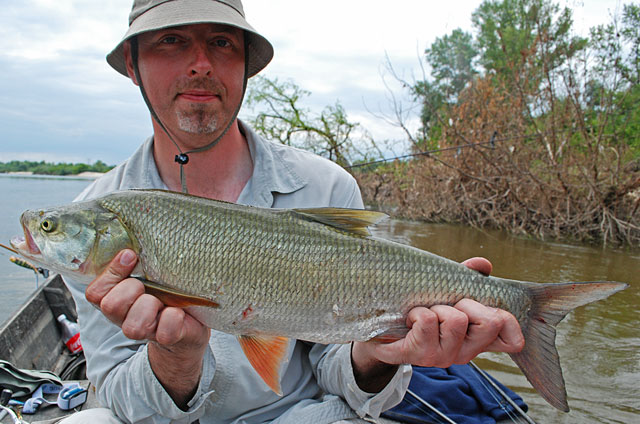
(354, 221)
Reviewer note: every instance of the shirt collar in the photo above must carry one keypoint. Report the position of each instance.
(272, 171)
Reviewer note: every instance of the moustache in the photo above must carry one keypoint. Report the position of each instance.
(200, 83)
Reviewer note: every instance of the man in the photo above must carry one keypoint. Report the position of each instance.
(157, 364)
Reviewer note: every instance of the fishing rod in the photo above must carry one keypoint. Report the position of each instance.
(9, 249)
(506, 397)
(482, 377)
(431, 407)
(491, 142)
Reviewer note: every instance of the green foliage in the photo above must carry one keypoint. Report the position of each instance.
(282, 117)
(567, 113)
(45, 168)
(433, 112)
(451, 59)
(527, 48)
(519, 38)
(616, 47)
(614, 79)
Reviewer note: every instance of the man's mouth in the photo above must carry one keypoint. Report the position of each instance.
(199, 95)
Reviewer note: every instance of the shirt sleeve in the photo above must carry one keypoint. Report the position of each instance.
(120, 370)
(334, 372)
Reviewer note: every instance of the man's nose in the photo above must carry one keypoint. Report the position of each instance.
(201, 62)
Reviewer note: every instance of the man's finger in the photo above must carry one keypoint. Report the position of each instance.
(419, 346)
(482, 265)
(118, 269)
(453, 330)
(171, 326)
(510, 339)
(142, 318)
(485, 326)
(116, 303)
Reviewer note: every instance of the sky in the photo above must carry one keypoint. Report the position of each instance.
(61, 102)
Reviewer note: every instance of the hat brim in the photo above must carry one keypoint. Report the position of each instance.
(174, 13)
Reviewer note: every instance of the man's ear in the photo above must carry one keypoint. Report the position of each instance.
(128, 60)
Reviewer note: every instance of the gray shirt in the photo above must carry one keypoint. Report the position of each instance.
(317, 380)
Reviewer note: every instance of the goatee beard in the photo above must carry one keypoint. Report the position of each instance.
(197, 121)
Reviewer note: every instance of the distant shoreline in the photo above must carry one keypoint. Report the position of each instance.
(29, 174)
(79, 170)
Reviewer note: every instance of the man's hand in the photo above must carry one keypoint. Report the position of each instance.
(177, 340)
(439, 336)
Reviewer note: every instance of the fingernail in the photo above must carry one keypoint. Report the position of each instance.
(127, 257)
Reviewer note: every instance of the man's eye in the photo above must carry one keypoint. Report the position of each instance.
(221, 42)
(169, 40)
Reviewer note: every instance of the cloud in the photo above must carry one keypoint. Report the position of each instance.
(41, 29)
(61, 99)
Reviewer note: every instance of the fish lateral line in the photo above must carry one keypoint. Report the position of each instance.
(175, 298)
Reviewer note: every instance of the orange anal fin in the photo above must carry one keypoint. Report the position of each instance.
(173, 297)
(266, 354)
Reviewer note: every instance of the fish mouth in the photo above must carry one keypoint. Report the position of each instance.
(26, 244)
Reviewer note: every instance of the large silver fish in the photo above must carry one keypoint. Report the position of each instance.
(268, 275)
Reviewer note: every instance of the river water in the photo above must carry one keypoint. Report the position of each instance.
(18, 193)
(599, 344)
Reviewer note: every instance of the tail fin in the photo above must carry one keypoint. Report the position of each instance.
(539, 359)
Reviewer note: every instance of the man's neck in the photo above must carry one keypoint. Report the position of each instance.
(220, 172)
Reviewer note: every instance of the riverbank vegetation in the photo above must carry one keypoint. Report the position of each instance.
(562, 114)
(46, 168)
(531, 128)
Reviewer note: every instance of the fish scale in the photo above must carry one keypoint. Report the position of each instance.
(268, 275)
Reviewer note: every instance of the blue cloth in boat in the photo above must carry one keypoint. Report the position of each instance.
(459, 392)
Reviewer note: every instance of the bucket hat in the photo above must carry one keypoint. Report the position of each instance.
(151, 15)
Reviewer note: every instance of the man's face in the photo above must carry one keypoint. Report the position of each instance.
(193, 75)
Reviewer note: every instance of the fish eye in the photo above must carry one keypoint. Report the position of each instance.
(48, 225)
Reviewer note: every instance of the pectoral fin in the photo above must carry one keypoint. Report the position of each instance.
(391, 335)
(266, 354)
(172, 297)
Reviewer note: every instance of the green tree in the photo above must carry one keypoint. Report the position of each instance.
(567, 114)
(614, 87)
(282, 117)
(45, 168)
(452, 62)
(525, 40)
(100, 166)
(451, 59)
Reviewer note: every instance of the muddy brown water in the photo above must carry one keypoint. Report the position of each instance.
(599, 344)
